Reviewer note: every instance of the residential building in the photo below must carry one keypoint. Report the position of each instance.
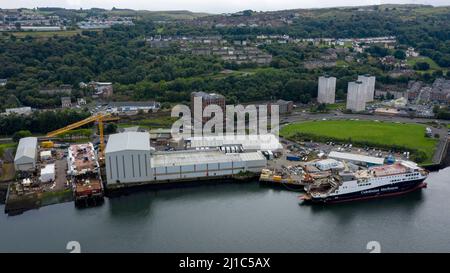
(81, 101)
(208, 99)
(369, 86)
(284, 107)
(66, 102)
(326, 90)
(356, 96)
(388, 93)
(440, 91)
(102, 90)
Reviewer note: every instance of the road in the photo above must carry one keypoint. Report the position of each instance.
(443, 131)
(338, 115)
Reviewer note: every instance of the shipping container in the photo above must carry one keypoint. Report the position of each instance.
(293, 158)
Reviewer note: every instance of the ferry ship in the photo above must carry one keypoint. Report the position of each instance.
(387, 180)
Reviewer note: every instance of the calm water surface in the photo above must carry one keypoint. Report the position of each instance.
(237, 218)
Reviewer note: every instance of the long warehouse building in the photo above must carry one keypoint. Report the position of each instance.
(250, 143)
(26, 154)
(130, 159)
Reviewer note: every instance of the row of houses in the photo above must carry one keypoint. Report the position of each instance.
(101, 23)
(236, 54)
(438, 92)
(30, 20)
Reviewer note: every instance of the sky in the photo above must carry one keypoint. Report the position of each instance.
(210, 6)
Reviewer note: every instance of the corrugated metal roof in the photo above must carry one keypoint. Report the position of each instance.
(261, 142)
(207, 96)
(356, 157)
(133, 104)
(201, 157)
(128, 141)
(27, 148)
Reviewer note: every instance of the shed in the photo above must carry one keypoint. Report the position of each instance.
(45, 155)
(47, 173)
(26, 154)
(357, 158)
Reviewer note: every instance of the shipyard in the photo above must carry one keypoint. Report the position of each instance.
(50, 171)
(201, 127)
(85, 170)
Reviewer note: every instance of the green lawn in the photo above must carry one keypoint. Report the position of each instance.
(341, 63)
(413, 60)
(335, 106)
(6, 146)
(150, 123)
(77, 133)
(46, 34)
(381, 134)
(8, 172)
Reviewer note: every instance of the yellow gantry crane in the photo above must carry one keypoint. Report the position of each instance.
(99, 118)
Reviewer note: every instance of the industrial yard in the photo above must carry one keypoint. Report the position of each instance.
(51, 171)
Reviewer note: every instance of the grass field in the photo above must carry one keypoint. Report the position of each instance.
(381, 134)
(164, 122)
(6, 146)
(46, 34)
(8, 172)
(433, 65)
(335, 106)
(77, 133)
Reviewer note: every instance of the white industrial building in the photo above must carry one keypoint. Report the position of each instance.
(369, 86)
(130, 159)
(262, 142)
(47, 173)
(326, 90)
(203, 164)
(19, 111)
(133, 106)
(357, 158)
(26, 154)
(46, 155)
(329, 164)
(356, 96)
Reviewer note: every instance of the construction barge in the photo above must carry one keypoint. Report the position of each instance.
(276, 177)
(84, 170)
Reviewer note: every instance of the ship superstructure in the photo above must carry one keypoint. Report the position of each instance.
(386, 180)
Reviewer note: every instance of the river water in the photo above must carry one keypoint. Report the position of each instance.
(237, 218)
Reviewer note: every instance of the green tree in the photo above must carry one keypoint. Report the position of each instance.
(111, 128)
(400, 54)
(21, 134)
(422, 66)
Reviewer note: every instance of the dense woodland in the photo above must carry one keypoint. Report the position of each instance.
(40, 122)
(169, 75)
